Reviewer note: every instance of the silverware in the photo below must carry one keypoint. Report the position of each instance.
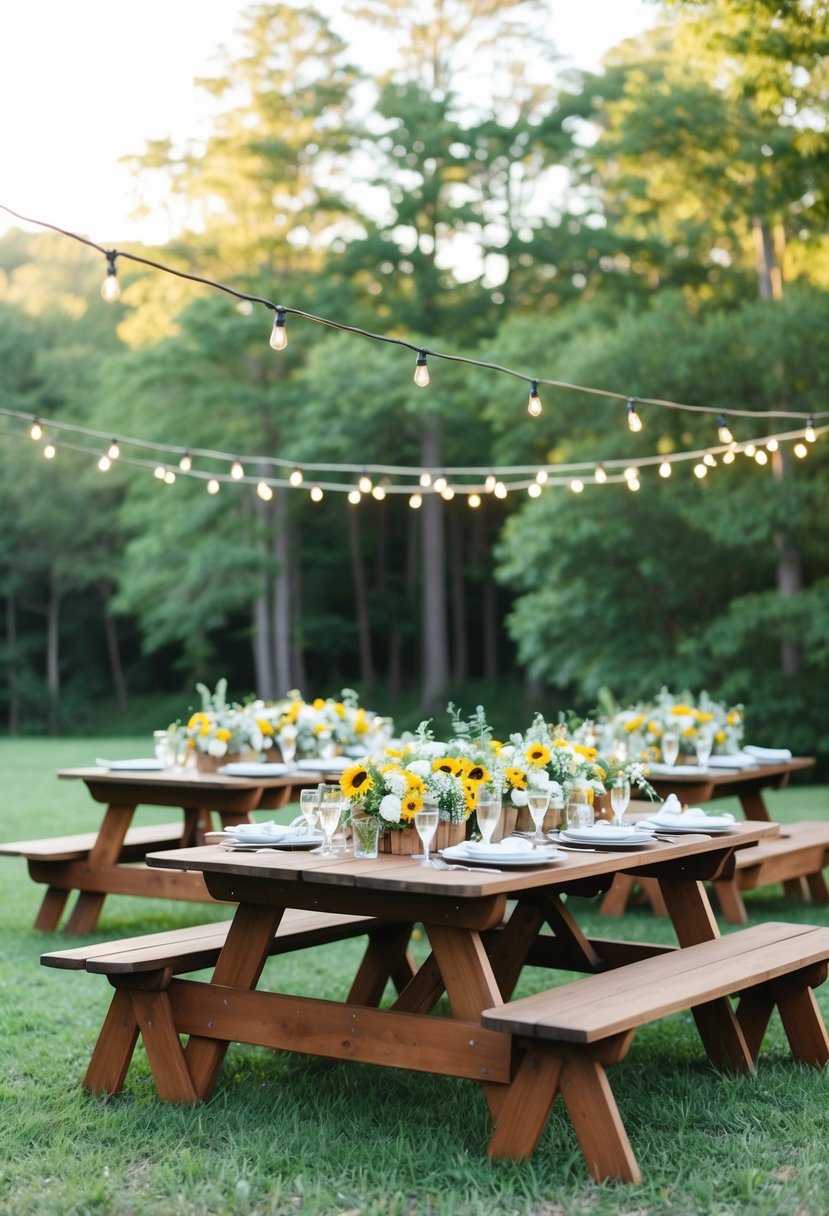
(439, 864)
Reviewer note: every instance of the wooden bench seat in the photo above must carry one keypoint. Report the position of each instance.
(796, 858)
(141, 968)
(137, 843)
(568, 1034)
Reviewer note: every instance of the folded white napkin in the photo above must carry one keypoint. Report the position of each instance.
(671, 814)
(241, 830)
(769, 755)
(510, 844)
(733, 760)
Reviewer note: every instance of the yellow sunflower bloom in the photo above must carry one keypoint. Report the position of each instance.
(265, 727)
(537, 754)
(589, 753)
(516, 777)
(223, 733)
(411, 804)
(446, 764)
(634, 723)
(478, 773)
(318, 703)
(356, 780)
(416, 784)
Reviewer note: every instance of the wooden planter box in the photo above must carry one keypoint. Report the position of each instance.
(406, 840)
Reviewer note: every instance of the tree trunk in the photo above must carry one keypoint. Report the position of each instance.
(434, 641)
(116, 667)
(355, 550)
(769, 276)
(13, 716)
(460, 657)
(297, 637)
(262, 655)
(789, 572)
(281, 597)
(53, 661)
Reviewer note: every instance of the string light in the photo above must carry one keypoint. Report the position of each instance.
(761, 457)
(635, 423)
(577, 485)
(237, 470)
(114, 451)
(542, 477)
(296, 478)
(534, 489)
(665, 469)
(473, 501)
(364, 485)
(490, 483)
(104, 464)
(728, 457)
(36, 430)
(633, 484)
(354, 497)
(169, 477)
(416, 501)
(425, 481)
(213, 486)
(440, 484)
(111, 288)
(158, 472)
(447, 493)
(534, 402)
(49, 451)
(710, 460)
(500, 490)
(700, 470)
(772, 445)
(186, 463)
(809, 432)
(264, 491)
(749, 449)
(600, 476)
(279, 334)
(378, 493)
(316, 494)
(800, 450)
(421, 374)
(631, 474)
(724, 431)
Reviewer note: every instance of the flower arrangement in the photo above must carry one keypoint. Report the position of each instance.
(326, 726)
(395, 786)
(221, 728)
(643, 726)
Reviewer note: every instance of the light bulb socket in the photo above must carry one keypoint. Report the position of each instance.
(634, 421)
(534, 403)
(421, 372)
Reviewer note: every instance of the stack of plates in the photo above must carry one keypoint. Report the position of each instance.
(512, 852)
(131, 766)
(336, 764)
(607, 836)
(275, 835)
(692, 820)
(253, 770)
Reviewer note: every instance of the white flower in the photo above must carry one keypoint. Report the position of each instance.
(422, 768)
(519, 797)
(396, 783)
(538, 778)
(390, 808)
(217, 748)
(433, 750)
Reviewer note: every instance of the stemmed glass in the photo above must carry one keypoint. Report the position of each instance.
(488, 809)
(287, 744)
(670, 748)
(426, 822)
(331, 800)
(309, 805)
(537, 803)
(704, 745)
(619, 798)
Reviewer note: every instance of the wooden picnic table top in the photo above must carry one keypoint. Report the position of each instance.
(694, 785)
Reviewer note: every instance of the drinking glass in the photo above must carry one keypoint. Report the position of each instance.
(619, 798)
(704, 744)
(579, 811)
(488, 809)
(426, 822)
(537, 803)
(670, 748)
(287, 744)
(161, 746)
(309, 805)
(331, 800)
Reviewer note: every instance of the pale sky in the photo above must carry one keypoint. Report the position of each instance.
(86, 82)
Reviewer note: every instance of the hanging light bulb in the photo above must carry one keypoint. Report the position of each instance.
(264, 491)
(169, 477)
(447, 493)
(490, 483)
(710, 460)
(772, 445)
(761, 456)
(49, 450)
(700, 470)
(728, 457)
(158, 472)
(534, 489)
(724, 431)
(440, 484)
(296, 477)
(809, 432)
(421, 375)
(542, 477)
(111, 288)
(600, 476)
(379, 493)
(665, 469)
(364, 484)
(800, 450)
(316, 494)
(104, 464)
(749, 449)
(635, 423)
(237, 470)
(114, 451)
(354, 496)
(425, 480)
(633, 484)
(213, 486)
(473, 501)
(416, 501)
(186, 463)
(631, 473)
(534, 402)
(279, 334)
(577, 485)
(500, 490)
(36, 430)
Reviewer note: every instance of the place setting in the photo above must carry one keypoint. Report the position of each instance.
(512, 852)
(678, 820)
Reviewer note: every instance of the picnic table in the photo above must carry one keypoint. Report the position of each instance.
(795, 858)
(109, 860)
(482, 926)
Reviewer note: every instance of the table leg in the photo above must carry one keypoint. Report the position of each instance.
(105, 852)
(240, 964)
(694, 921)
(51, 909)
(384, 959)
(753, 805)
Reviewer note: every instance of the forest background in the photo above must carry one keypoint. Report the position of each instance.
(657, 229)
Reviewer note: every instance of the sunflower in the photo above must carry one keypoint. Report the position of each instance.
(447, 764)
(589, 753)
(409, 807)
(356, 780)
(470, 795)
(516, 777)
(416, 784)
(478, 772)
(537, 754)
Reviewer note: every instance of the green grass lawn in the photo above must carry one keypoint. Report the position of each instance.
(292, 1134)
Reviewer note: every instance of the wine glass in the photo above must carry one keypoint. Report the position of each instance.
(670, 748)
(426, 822)
(287, 744)
(619, 798)
(488, 809)
(704, 744)
(309, 805)
(331, 800)
(537, 803)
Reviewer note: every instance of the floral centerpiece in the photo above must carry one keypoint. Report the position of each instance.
(643, 726)
(395, 786)
(221, 729)
(328, 726)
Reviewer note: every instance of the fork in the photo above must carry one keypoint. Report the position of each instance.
(438, 863)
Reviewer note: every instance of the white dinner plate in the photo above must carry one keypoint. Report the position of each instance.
(677, 770)
(287, 842)
(541, 856)
(705, 829)
(254, 837)
(253, 770)
(594, 840)
(336, 764)
(148, 765)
